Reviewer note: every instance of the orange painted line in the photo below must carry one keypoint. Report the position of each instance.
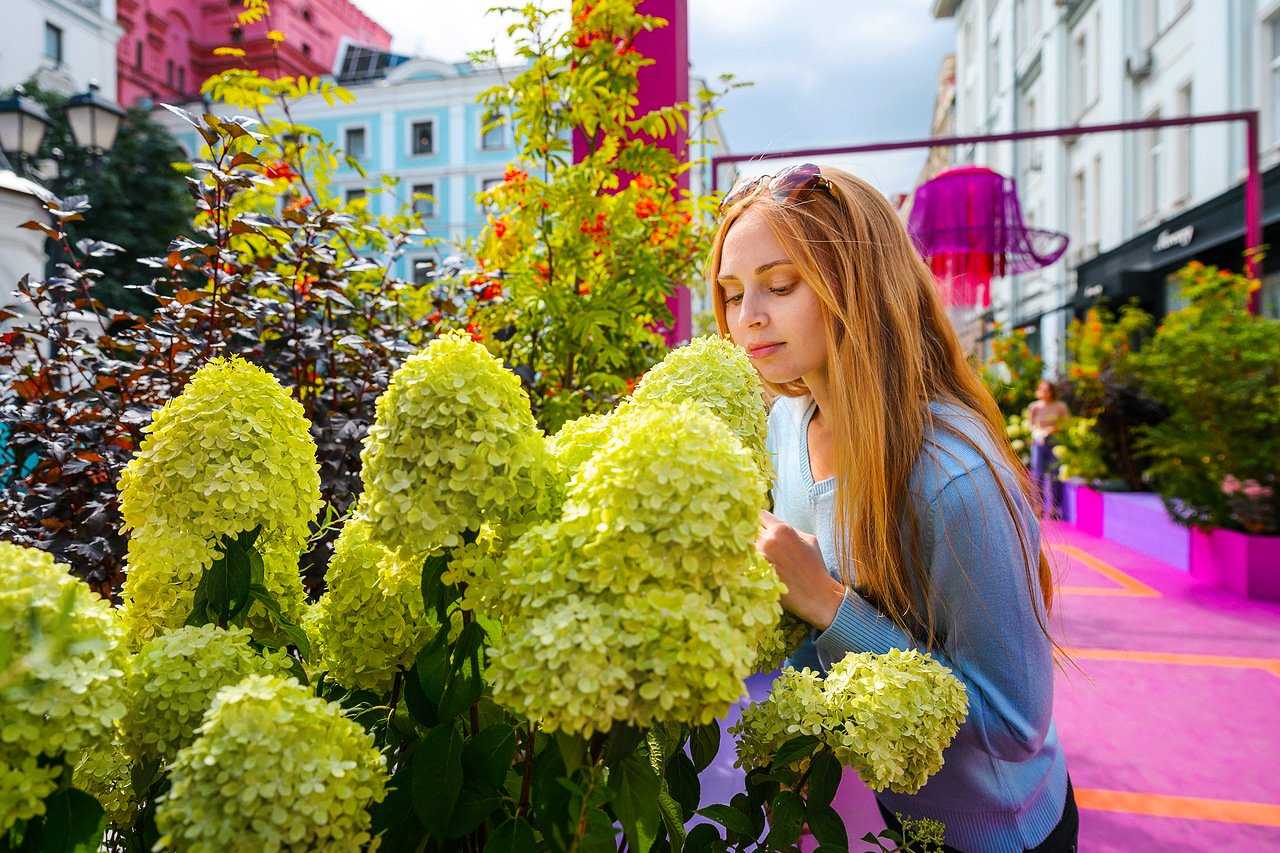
(1127, 584)
(1271, 665)
(1187, 808)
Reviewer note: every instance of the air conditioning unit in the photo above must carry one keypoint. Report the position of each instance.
(1138, 64)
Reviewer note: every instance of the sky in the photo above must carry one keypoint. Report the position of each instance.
(824, 72)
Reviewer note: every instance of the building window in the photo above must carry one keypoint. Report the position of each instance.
(489, 183)
(495, 137)
(168, 73)
(1273, 29)
(137, 54)
(306, 50)
(353, 142)
(423, 268)
(1095, 206)
(1182, 149)
(237, 35)
(355, 194)
(182, 79)
(53, 42)
(424, 207)
(1150, 169)
(422, 137)
(993, 73)
(1080, 209)
(306, 15)
(1080, 73)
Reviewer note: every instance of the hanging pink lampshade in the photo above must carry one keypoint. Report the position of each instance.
(967, 224)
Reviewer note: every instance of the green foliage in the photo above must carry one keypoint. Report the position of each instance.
(1216, 368)
(1018, 429)
(1080, 450)
(584, 255)
(245, 784)
(1101, 386)
(1013, 372)
(61, 664)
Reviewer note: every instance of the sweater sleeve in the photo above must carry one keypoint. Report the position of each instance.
(993, 641)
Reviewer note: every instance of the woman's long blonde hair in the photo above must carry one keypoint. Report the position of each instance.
(891, 352)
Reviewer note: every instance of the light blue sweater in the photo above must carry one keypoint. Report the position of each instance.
(1004, 781)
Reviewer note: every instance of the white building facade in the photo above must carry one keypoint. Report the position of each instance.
(64, 44)
(1032, 64)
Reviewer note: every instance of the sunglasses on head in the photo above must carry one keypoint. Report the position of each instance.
(793, 183)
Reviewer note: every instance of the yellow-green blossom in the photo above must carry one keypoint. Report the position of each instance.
(173, 678)
(103, 772)
(230, 453)
(888, 716)
(454, 444)
(60, 675)
(644, 602)
(272, 768)
(715, 372)
(371, 620)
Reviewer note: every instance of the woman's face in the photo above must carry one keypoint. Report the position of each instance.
(1044, 392)
(771, 312)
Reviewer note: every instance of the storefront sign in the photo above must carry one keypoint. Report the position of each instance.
(1178, 237)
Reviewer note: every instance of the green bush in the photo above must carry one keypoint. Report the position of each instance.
(1216, 368)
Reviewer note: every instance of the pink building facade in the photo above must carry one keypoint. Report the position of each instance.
(166, 49)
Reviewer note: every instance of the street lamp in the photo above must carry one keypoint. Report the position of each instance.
(22, 126)
(94, 120)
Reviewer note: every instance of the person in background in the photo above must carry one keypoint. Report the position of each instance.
(1044, 416)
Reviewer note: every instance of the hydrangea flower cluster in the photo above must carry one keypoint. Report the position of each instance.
(717, 373)
(371, 620)
(174, 677)
(103, 773)
(788, 633)
(578, 440)
(643, 603)
(454, 443)
(244, 785)
(59, 677)
(889, 717)
(231, 452)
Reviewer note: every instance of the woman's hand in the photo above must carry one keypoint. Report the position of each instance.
(812, 594)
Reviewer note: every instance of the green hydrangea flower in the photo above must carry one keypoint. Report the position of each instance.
(60, 675)
(643, 603)
(272, 768)
(371, 620)
(889, 717)
(578, 440)
(454, 444)
(717, 373)
(795, 706)
(103, 772)
(787, 635)
(164, 571)
(892, 716)
(231, 452)
(174, 677)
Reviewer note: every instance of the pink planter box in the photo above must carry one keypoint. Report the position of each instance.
(1088, 510)
(1245, 564)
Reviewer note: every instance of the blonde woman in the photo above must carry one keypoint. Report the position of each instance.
(902, 518)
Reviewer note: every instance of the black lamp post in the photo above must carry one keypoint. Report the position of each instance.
(22, 125)
(94, 120)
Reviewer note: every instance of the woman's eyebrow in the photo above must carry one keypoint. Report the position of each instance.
(760, 270)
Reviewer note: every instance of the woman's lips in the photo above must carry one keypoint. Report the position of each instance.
(765, 352)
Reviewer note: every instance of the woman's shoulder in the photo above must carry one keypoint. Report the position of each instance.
(958, 444)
